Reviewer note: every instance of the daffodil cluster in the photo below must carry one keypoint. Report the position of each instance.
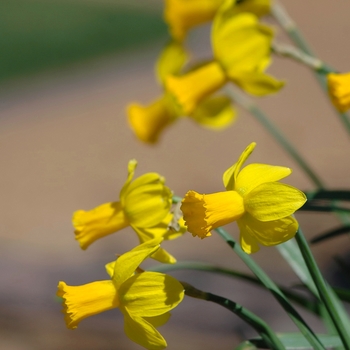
(241, 53)
(144, 298)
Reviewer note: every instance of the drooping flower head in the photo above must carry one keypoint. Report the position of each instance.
(148, 122)
(145, 299)
(144, 204)
(261, 206)
(242, 52)
(339, 90)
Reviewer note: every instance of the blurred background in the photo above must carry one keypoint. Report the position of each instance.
(68, 69)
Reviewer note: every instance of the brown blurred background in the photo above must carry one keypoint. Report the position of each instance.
(69, 68)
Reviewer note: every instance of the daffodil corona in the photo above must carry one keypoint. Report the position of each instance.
(261, 205)
(145, 298)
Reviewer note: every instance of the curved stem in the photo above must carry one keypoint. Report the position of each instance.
(295, 35)
(272, 287)
(256, 322)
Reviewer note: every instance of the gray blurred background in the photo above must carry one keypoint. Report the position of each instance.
(68, 69)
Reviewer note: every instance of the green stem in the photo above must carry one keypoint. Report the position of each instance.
(198, 266)
(295, 35)
(256, 322)
(251, 107)
(324, 290)
(276, 292)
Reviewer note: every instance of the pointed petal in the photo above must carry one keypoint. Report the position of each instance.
(171, 60)
(150, 294)
(269, 233)
(127, 263)
(256, 83)
(254, 175)
(158, 321)
(230, 175)
(273, 200)
(214, 113)
(142, 332)
(248, 243)
(148, 205)
(131, 171)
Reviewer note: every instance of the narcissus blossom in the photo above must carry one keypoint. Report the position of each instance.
(339, 90)
(145, 298)
(242, 52)
(148, 122)
(261, 206)
(144, 204)
(182, 15)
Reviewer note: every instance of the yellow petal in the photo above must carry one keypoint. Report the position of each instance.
(268, 233)
(241, 43)
(205, 212)
(142, 332)
(127, 263)
(254, 175)
(131, 171)
(148, 205)
(148, 122)
(158, 321)
(144, 180)
(339, 90)
(230, 175)
(150, 294)
(191, 88)
(99, 222)
(182, 15)
(255, 83)
(214, 113)
(273, 201)
(248, 243)
(87, 300)
(171, 60)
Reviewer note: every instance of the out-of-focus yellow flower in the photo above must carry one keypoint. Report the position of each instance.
(182, 15)
(242, 50)
(261, 206)
(148, 122)
(339, 90)
(144, 205)
(145, 299)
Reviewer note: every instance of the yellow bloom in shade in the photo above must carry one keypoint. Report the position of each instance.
(144, 204)
(339, 90)
(145, 299)
(261, 205)
(242, 50)
(182, 15)
(148, 122)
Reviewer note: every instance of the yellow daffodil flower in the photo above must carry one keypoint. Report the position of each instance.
(339, 90)
(144, 205)
(182, 15)
(261, 206)
(145, 299)
(242, 50)
(148, 122)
